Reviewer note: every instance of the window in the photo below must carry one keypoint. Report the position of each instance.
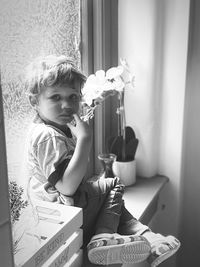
(27, 29)
(100, 51)
(31, 28)
(5, 225)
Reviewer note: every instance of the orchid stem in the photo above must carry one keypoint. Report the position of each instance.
(122, 124)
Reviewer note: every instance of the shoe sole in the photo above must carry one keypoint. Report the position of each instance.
(164, 257)
(132, 252)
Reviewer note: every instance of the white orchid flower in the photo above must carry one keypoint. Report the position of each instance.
(95, 87)
(102, 84)
(118, 84)
(100, 76)
(124, 64)
(127, 73)
(114, 72)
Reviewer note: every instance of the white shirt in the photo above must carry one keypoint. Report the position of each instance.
(48, 153)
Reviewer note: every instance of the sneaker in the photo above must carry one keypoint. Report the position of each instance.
(106, 249)
(162, 248)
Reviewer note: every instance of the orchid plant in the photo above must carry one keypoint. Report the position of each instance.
(103, 84)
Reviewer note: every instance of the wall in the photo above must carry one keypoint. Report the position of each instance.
(189, 230)
(136, 44)
(172, 105)
(153, 36)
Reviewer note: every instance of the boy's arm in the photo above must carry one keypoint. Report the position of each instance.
(77, 166)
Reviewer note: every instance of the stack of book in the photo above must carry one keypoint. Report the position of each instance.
(55, 241)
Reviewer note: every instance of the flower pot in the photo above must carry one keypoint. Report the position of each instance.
(126, 171)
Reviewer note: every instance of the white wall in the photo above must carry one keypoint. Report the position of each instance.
(190, 233)
(136, 44)
(153, 37)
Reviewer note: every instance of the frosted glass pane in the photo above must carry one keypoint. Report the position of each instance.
(29, 29)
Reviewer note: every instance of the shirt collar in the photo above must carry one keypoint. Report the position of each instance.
(66, 130)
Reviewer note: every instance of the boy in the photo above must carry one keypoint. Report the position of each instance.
(59, 144)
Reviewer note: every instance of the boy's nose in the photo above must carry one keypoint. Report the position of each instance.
(65, 104)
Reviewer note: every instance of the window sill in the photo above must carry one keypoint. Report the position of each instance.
(141, 199)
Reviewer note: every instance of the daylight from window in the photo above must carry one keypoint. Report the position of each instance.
(30, 29)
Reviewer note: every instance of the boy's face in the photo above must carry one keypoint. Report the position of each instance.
(56, 105)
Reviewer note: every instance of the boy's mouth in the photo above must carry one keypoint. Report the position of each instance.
(66, 115)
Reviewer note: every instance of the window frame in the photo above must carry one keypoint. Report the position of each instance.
(6, 251)
(99, 50)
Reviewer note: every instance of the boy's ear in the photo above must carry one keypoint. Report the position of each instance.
(33, 101)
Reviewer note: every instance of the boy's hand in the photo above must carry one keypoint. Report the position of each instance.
(81, 129)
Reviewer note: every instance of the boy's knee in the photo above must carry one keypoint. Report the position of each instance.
(103, 186)
(114, 184)
(117, 182)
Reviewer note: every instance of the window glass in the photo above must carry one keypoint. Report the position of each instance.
(29, 29)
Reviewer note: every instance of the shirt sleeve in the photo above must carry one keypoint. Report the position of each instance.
(58, 173)
(53, 157)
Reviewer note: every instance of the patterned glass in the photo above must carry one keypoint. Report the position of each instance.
(29, 29)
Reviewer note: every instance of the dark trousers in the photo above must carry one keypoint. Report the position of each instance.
(103, 207)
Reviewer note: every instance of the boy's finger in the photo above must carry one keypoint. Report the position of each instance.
(76, 117)
(70, 125)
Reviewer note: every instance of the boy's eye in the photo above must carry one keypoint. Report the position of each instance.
(74, 97)
(55, 97)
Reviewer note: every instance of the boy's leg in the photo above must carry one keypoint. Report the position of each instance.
(161, 247)
(110, 212)
(101, 202)
(102, 211)
(129, 225)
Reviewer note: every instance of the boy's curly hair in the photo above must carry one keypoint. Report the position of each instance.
(52, 70)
